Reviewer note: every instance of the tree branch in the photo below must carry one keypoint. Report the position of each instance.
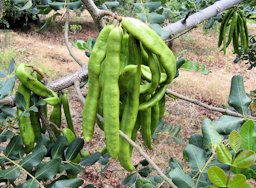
(78, 90)
(66, 29)
(212, 108)
(199, 17)
(97, 13)
(132, 143)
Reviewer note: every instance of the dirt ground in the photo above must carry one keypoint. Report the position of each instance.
(48, 50)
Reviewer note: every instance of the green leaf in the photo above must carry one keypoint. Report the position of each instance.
(180, 179)
(130, 180)
(148, 185)
(59, 147)
(27, 6)
(11, 173)
(91, 159)
(74, 148)
(111, 4)
(226, 124)
(34, 158)
(237, 181)
(48, 170)
(6, 135)
(196, 140)
(43, 141)
(2, 74)
(72, 168)
(32, 183)
(173, 163)
(14, 147)
(247, 134)
(8, 87)
(11, 66)
(152, 18)
(224, 154)
(238, 98)
(71, 183)
(234, 140)
(60, 5)
(20, 101)
(33, 109)
(150, 6)
(211, 138)
(217, 176)
(144, 172)
(244, 159)
(9, 111)
(195, 157)
(159, 30)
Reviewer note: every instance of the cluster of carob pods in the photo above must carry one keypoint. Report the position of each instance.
(129, 70)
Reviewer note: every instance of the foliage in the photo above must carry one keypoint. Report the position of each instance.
(248, 57)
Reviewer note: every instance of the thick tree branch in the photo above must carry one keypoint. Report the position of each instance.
(199, 17)
(97, 13)
(212, 108)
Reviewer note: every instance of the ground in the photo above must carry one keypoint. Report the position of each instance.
(47, 50)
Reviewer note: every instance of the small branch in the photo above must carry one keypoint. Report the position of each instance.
(78, 90)
(47, 124)
(97, 14)
(178, 36)
(66, 29)
(132, 143)
(20, 167)
(212, 108)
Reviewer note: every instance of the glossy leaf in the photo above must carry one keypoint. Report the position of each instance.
(217, 176)
(224, 154)
(180, 179)
(173, 163)
(33, 159)
(6, 135)
(225, 124)
(27, 6)
(48, 170)
(59, 147)
(144, 172)
(7, 87)
(248, 137)
(245, 159)
(90, 160)
(11, 67)
(238, 98)
(234, 140)
(237, 181)
(2, 74)
(152, 18)
(11, 173)
(196, 140)
(14, 147)
(71, 183)
(72, 168)
(9, 111)
(31, 183)
(159, 30)
(74, 148)
(130, 180)
(211, 137)
(195, 157)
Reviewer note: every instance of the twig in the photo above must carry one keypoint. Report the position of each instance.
(44, 77)
(212, 108)
(132, 143)
(66, 29)
(47, 124)
(20, 167)
(168, 180)
(178, 36)
(78, 90)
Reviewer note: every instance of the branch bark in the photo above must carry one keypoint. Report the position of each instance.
(199, 17)
(69, 47)
(212, 108)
